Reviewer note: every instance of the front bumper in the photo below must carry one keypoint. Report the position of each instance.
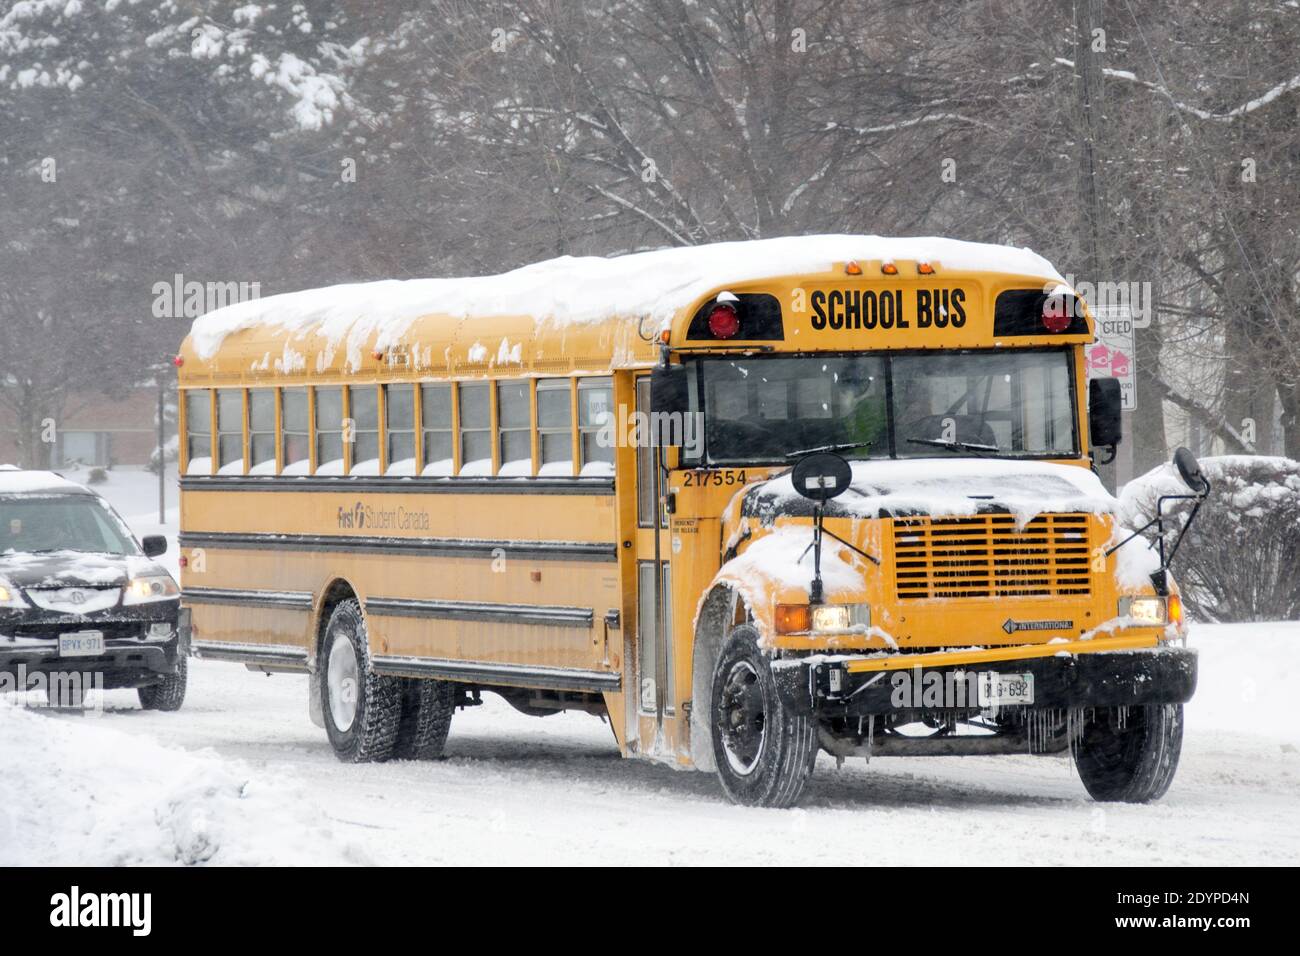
(833, 688)
(30, 646)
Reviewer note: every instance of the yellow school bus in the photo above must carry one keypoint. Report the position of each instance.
(748, 502)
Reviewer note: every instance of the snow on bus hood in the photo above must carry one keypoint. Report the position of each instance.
(587, 289)
(947, 487)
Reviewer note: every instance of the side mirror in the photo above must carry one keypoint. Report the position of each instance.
(1190, 470)
(153, 545)
(1105, 402)
(821, 476)
(670, 390)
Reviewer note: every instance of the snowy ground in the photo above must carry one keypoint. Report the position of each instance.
(242, 776)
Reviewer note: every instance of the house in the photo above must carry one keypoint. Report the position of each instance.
(96, 429)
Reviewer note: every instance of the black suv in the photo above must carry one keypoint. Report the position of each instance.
(82, 603)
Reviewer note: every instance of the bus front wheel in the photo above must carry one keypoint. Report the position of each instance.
(1130, 754)
(763, 751)
(363, 710)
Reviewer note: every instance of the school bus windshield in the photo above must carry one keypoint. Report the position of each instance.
(995, 403)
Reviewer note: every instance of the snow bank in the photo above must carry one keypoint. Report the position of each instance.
(1246, 485)
(1240, 560)
(1247, 679)
(588, 289)
(939, 487)
(75, 791)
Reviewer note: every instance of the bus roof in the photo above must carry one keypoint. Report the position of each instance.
(583, 313)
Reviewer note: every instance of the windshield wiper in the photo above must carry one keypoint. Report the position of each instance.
(955, 445)
(843, 447)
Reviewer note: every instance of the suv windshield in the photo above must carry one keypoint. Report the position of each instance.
(996, 403)
(61, 523)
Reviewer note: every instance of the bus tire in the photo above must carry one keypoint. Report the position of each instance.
(427, 709)
(1130, 760)
(362, 709)
(169, 693)
(764, 752)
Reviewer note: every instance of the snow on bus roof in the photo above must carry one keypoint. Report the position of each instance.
(588, 289)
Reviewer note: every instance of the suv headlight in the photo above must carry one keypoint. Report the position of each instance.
(150, 587)
(10, 596)
(1143, 610)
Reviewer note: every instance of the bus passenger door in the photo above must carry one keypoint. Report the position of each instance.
(654, 691)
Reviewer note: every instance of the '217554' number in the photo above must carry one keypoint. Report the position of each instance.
(713, 479)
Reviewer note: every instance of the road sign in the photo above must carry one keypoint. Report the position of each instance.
(1113, 355)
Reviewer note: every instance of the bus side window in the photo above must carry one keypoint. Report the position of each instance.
(295, 432)
(261, 431)
(475, 430)
(399, 425)
(435, 412)
(363, 409)
(230, 431)
(198, 432)
(554, 427)
(595, 412)
(329, 431)
(514, 422)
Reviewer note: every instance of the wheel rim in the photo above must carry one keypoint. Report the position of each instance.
(341, 679)
(742, 714)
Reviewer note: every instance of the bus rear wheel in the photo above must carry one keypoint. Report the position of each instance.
(1130, 754)
(763, 751)
(427, 709)
(363, 709)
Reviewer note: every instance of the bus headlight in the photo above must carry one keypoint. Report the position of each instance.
(1143, 610)
(830, 617)
(150, 587)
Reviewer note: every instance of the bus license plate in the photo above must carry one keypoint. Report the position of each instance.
(995, 688)
(81, 644)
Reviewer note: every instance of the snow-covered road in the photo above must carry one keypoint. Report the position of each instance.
(241, 775)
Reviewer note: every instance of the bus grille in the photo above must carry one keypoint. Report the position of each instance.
(985, 556)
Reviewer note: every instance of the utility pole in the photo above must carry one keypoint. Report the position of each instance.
(162, 452)
(161, 373)
(1088, 83)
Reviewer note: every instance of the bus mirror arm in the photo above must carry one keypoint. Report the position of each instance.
(1200, 488)
(815, 589)
(819, 477)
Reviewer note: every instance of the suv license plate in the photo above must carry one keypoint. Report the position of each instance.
(81, 644)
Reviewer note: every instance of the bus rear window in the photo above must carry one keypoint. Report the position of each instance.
(475, 430)
(261, 431)
(435, 415)
(363, 402)
(198, 432)
(329, 431)
(230, 431)
(399, 422)
(296, 428)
